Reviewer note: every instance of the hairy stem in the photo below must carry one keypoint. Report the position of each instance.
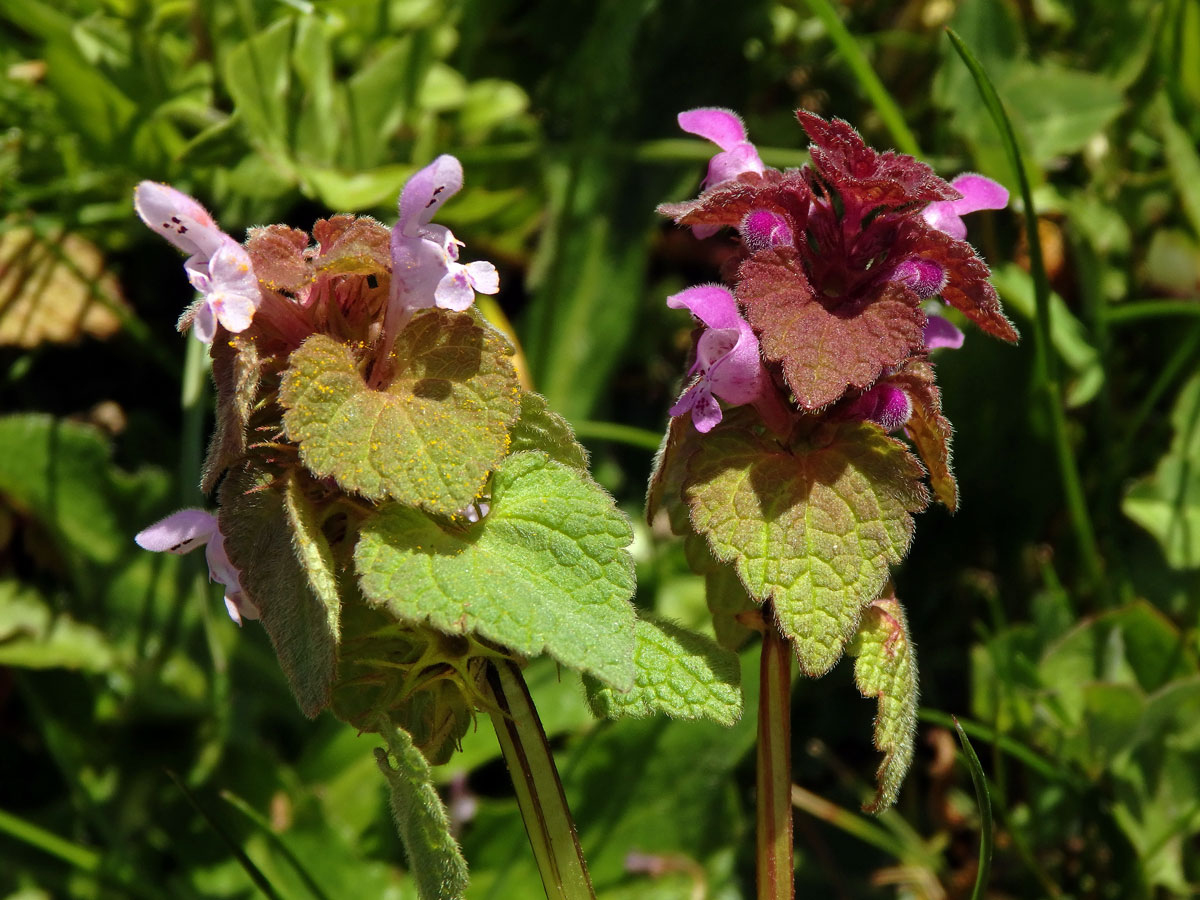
(539, 791)
(774, 859)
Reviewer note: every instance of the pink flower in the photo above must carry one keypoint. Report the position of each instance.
(217, 266)
(725, 129)
(184, 531)
(425, 267)
(977, 193)
(727, 357)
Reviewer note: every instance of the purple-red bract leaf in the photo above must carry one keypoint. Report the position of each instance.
(967, 288)
(826, 344)
(866, 176)
(277, 252)
(928, 428)
(786, 193)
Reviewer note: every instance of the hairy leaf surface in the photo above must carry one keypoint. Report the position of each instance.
(546, 570)
(435, 861)
(826, 344)
(812, 527)
(429, 437)
(284, 566)
(886, 668)
(677, 672)
(928, 428)
(540, 428)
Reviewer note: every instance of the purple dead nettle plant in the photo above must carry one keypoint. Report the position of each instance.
(408, 523)
(800, 447)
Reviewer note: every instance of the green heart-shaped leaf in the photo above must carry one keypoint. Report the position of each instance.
(545, 570)
(430, 436)
(812, 527)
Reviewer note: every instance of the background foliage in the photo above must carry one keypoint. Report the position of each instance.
(150, 749)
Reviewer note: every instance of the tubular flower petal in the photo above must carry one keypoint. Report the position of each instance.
(941, 332)
(727, 364)
(425, 267)
(218, 267)
(184, 531)
(977, 192)
(725, 129)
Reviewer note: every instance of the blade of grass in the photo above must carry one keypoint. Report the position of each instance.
(1046, 368)
(986, 836)
(1136, 311)
(81, 858)
(276, 841)
(1011, 746)
(850, 51)
(617, 433)
(247, 864)
(848, 821)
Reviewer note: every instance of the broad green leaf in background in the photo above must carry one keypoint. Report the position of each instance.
(1183, 162)
(545, 570)
(1167, 502)
(886, 668)
(677, 672)
(272, 538)
(32, 635)
(429, 437)
(812, 527)
(61, 474)
(434, 857)
(1067, 333)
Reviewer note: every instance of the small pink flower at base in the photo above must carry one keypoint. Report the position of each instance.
(727, 364)
(184, 531)
(725, 129)
(886, 405)
(977, 192)
(762, 228)
(941, 332)
(218, 266)
(425, 267)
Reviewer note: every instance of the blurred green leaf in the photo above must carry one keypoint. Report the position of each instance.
(61, 474)
(1067, 333)
(1167, 502)
(34, 636)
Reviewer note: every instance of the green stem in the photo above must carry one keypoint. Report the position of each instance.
(850, 51)
(1136, 310)
(1046, 365)
(539, 791)
(774, 866)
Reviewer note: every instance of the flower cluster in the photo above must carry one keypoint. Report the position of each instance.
(278, 289)
(833, 306)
